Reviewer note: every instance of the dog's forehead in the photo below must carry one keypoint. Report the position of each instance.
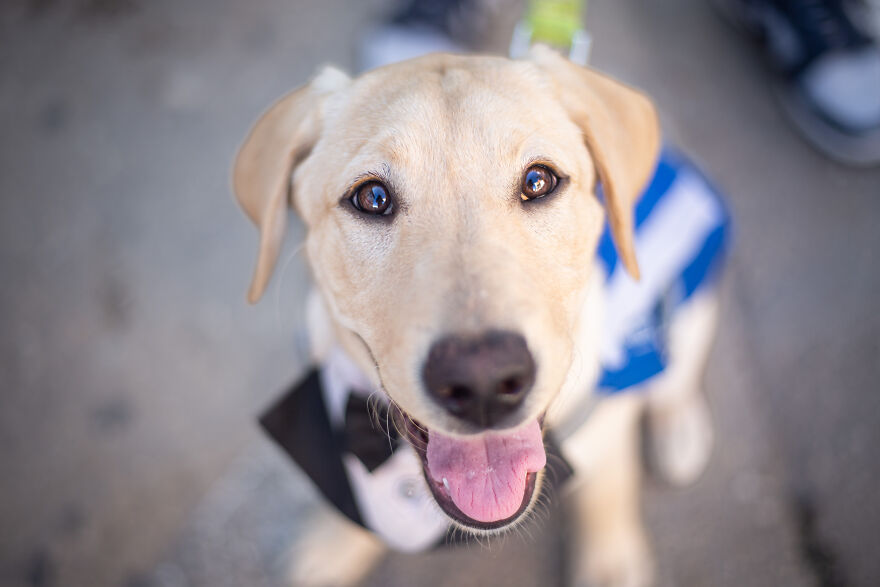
(453, 79)
(453, 104)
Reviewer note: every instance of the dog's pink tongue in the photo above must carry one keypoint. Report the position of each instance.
(486, 474)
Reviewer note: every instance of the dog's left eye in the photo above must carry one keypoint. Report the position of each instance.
(372, 198)
(537, 182)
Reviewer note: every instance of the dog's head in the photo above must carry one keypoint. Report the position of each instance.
(452, 220)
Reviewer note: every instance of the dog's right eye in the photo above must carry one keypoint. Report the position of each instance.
(537, 182)
(372, 198)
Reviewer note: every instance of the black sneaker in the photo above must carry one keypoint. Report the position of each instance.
(830, 71)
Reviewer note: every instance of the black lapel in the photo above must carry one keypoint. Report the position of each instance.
(298, 422)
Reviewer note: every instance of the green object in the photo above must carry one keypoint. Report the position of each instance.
(555, 22)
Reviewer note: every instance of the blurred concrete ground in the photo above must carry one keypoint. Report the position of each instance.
(131, 368)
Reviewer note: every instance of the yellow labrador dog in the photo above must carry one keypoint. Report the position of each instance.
(452, 218)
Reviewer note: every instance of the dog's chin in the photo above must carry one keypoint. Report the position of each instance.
(417, 435)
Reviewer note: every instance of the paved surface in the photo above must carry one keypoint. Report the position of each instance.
(131, 368)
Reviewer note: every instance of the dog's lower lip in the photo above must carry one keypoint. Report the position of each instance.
(417, 435)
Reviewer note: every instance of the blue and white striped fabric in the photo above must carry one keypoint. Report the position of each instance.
(682, 231)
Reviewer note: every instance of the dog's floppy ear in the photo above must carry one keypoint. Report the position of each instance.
(282, 137)
(621, 131)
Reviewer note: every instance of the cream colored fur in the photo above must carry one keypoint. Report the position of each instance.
(451, 136)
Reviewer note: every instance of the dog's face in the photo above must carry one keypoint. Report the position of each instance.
(451, 222)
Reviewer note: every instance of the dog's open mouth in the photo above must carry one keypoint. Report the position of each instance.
(485, 481)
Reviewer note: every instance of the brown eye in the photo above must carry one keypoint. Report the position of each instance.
(372, 198)
(537, 182)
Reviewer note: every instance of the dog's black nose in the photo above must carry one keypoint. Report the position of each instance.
(480, 379)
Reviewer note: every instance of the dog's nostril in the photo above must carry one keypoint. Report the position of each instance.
(480, 379)
(459, 392)
(511, 386)
(454, 392)
(454, 397)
